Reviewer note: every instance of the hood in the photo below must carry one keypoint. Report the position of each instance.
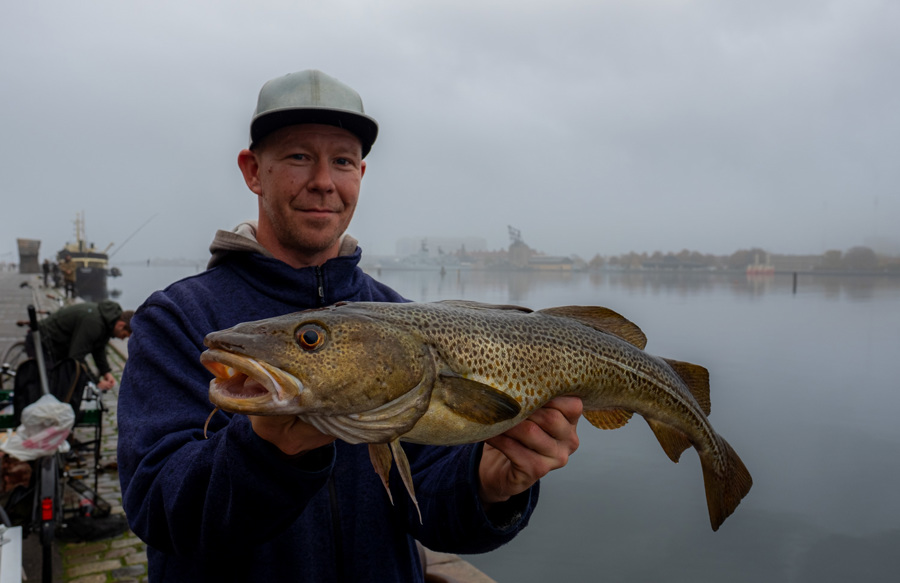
(109, 311)
(242, 239)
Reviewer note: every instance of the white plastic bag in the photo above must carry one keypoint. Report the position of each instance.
(46, 424)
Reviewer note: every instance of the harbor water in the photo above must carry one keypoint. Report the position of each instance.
(805, 385)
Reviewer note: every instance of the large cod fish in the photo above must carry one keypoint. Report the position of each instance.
(455, 372)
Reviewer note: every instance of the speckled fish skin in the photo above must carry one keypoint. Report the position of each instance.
(454, 372)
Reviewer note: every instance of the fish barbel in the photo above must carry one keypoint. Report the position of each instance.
(454, 372)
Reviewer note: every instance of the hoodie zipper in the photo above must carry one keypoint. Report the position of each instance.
(320, 285)
(332, 488)
(336, 530)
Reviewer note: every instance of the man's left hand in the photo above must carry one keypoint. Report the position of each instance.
(513, 461)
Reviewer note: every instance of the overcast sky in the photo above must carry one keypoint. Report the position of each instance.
(592, 126)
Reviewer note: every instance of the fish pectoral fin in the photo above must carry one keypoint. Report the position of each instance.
(405, 474)
(380, 454)
(672, 440)
(476, 401)
(602, 319)
(608, 418)
(697, 380)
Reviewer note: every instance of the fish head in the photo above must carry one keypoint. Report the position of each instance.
(315, 362)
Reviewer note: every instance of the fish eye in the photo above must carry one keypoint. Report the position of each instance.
(310, 336)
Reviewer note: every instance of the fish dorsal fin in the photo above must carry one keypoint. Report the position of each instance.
(468, 304)
(608, 418)
(672, 440)
(602, 319)
(697, 380)
(476, 401)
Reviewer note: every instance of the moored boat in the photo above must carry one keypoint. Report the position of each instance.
(91, 264)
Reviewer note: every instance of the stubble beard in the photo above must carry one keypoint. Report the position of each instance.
(304, 240)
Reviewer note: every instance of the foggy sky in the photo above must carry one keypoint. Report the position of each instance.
(593, 127)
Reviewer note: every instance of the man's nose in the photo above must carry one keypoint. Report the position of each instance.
(322, 180)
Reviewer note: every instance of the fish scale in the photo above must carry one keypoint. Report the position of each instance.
(454, 372)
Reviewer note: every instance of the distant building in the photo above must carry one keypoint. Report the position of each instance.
(435, 246)
(548, 263)
(28, 255)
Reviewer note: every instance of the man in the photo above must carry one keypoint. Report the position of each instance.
(81, 329)
(46, 269)
(271, 498)
(68, 270)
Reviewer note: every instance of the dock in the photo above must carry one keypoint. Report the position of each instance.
(124, 558)
(121, 558)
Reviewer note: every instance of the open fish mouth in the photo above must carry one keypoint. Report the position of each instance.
(246, 385)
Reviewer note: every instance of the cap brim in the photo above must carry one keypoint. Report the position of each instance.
(362, 126)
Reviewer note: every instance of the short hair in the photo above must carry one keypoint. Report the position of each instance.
(126, 317)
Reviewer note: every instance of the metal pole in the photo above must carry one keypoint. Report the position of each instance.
(38, 349)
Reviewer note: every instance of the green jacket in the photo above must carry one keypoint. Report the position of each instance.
(81, 329)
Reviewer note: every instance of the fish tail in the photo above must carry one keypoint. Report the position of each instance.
(725, 488)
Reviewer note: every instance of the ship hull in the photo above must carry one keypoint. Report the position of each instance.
(90, 283)
(90, 273)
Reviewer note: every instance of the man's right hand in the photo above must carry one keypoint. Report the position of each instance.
(288, 433)
(107, 382)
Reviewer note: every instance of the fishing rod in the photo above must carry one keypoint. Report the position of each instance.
(133, 234)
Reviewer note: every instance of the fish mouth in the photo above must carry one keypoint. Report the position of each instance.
(245, 385)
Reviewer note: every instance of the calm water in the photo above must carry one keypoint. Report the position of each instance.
(805, 386)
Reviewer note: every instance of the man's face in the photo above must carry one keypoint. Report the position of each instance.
(120, 331)
(307, 178)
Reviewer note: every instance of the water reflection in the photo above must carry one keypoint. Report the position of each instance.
(524, 287)
(803, 385)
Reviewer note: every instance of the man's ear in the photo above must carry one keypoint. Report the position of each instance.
(249, 165)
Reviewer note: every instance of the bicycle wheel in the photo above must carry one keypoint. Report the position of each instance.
(48, 510)
(15, 355)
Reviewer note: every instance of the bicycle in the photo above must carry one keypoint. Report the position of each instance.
(45, 487)
(44, 494)
(18, 352)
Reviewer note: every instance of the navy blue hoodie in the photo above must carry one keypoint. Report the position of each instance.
(232, 507)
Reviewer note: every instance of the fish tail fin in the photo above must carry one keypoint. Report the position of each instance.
(724, 489)
(697, 380)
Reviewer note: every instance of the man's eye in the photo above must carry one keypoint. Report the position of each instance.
(342, 161)
(298, 157)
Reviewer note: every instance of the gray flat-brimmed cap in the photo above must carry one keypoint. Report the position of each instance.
(311, 97)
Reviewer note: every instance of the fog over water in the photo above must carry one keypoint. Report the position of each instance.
(593, 127)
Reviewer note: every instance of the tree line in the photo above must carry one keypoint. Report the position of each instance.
(858, 258)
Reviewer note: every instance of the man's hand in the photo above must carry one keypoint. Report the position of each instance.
(106, 382)
(288, 433)
(513, 461)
